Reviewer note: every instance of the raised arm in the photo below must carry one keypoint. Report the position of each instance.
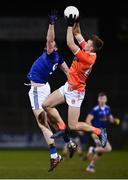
(50, 39)
(82, 56)
(78, 35)
(51, 32)
(70, 38)
(77, 32)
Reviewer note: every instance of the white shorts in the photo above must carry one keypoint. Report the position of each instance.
(73, 97)
(38, 94)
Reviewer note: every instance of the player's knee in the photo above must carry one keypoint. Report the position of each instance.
(110, 149)
(45, 106)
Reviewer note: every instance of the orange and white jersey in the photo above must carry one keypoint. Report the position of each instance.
(81, 68)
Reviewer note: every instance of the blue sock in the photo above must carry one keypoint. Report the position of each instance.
(53, 152)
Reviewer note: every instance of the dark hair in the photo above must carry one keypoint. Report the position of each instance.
(102, 94)
(97, 42)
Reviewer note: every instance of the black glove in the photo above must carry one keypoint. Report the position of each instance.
(70, 20)
(52, 16)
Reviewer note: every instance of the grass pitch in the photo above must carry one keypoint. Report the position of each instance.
(24, 164)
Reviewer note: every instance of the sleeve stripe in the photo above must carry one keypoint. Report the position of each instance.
(76, 51)
(81, 41)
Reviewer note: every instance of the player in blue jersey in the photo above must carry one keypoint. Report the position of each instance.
(99, 116)
(38, 75)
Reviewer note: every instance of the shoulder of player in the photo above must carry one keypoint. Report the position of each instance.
(107, 107)
(90, 54)
(95, 108)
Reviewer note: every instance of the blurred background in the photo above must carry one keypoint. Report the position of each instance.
(23, 28)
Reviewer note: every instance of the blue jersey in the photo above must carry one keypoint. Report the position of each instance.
(44, 66)
(100, 116)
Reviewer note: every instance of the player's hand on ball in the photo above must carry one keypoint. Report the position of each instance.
(70, 20)
(117, 121)
(52, 16)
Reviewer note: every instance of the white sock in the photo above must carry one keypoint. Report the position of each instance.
(54, 156)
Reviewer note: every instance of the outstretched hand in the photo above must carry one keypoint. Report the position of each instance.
(52, 16)
(71, 20)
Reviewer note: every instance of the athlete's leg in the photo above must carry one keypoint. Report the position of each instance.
(48, 105)
(41, 118)
(79, 147)
(65, 151)
(91, 150)
(97, 153)
(57, 97)
(73, 113)
(54, 99)
(37, 95)
(107, 148)
(44, 126)
(92, 164)
(73, 117)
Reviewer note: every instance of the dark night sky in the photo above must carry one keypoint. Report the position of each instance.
(14, 56)
(40, 8)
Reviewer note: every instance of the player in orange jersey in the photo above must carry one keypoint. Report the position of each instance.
(74, 89)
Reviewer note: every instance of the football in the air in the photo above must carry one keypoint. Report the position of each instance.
(71, 10)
